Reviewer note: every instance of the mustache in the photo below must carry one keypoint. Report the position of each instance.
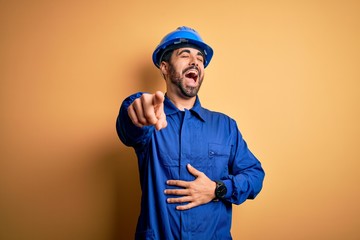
(190, 68)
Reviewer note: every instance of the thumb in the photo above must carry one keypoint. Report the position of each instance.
(158, 98)
(193, 170)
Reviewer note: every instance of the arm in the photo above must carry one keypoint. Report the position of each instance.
(246, 173)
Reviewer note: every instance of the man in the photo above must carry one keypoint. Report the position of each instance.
(193, 163)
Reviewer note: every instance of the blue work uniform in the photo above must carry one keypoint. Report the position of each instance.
(210, 142)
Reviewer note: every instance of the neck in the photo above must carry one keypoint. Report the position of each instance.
(181, 103)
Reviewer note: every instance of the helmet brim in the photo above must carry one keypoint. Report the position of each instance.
(178, 43)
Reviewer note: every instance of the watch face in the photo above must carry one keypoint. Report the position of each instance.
(221, 190)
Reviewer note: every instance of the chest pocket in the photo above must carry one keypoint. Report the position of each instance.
(219, 156)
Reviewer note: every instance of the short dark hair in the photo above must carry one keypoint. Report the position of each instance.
(167, 55)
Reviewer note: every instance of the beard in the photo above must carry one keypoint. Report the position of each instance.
(177, 79)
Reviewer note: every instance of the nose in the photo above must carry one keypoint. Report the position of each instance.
(194, 61)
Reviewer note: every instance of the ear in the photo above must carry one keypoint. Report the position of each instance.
(164, 67)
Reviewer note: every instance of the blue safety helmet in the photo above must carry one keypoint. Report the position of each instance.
(182, 36)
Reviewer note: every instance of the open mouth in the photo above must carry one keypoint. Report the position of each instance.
(192, 74)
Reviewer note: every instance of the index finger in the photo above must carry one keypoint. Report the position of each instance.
(158, 98)
(148, 109)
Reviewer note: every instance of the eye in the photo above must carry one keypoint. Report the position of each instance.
(184, 55)
(200, 59)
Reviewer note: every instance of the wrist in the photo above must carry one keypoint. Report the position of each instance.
(220, 190)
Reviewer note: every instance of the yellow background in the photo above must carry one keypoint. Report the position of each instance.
(287, 71)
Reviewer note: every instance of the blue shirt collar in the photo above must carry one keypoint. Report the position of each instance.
(197, 109)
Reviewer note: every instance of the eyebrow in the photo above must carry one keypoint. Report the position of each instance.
(188, 51)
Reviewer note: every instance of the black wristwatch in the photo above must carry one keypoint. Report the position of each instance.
(220, 190)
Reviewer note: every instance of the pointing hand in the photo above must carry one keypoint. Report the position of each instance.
(148, 110)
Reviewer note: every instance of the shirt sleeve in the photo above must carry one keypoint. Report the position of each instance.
(128, 133)
(246, 173)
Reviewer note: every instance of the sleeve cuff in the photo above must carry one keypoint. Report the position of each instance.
(229, 187)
